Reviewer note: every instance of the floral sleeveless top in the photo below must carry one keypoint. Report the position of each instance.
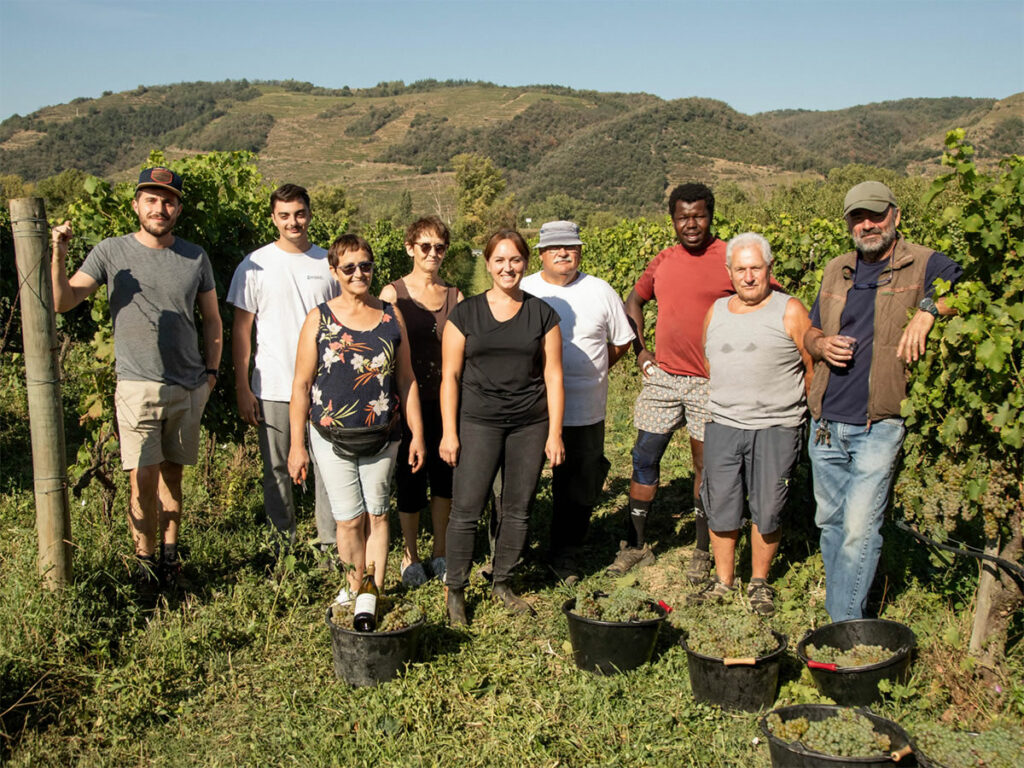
(355, 383)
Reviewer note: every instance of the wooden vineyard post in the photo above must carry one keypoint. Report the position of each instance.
(42, 379)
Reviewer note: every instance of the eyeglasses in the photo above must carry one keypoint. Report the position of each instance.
(870, 286)
(425, 248)
(350, 269)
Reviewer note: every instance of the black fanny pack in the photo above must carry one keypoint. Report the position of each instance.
(357, 442)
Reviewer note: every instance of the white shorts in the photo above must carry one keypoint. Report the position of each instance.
(354, 486)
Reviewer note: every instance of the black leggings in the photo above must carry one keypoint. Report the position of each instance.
(485, 448)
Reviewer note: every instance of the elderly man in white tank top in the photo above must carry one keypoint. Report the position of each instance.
(759, 375)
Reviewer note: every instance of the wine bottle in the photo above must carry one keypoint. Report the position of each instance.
(365, 619)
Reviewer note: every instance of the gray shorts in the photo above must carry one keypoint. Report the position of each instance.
(751, 463)
(668, 401)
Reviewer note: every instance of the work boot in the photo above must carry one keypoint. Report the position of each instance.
(628, 558)
(456, 604)
(698, 571)
(502, 591)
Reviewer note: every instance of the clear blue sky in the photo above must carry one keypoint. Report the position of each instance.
(754, 55)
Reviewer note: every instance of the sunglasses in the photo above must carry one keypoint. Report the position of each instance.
(425, 248)
(350, 269)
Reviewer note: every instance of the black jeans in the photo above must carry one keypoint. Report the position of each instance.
(576, 485)
(485, 448)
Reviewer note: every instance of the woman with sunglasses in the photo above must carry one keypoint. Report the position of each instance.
(352, 373)
(425, 301)
(501, 406)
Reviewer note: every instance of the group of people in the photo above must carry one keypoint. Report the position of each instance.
(450, 393)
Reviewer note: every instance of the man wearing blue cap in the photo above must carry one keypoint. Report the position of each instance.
(862, 345)
(154, 281)
(595, 334)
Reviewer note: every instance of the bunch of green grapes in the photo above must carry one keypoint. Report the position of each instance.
(1002, 746)
(397, 615)
(625, 604)
(728, 630)
(846, 734)
(857, 656)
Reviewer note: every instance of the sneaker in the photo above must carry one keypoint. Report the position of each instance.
(413, 575)
(439, 567)
(761, 597)
(344, 598)
(715, 592)
(699, 570)
(628, 558)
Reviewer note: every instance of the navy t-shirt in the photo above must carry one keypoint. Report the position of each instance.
(503, 373)
(846, 397)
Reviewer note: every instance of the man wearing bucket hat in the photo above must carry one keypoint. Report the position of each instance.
(862, 345)
(595, 334)
(154, 282)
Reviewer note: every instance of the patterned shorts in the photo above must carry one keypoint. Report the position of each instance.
(668, 401)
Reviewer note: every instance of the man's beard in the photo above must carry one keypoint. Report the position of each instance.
(158, 227)
(871, 252)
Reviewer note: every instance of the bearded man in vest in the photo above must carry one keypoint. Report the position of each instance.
(862, 343)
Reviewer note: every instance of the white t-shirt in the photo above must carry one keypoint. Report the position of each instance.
(280, 288)
(591, 316)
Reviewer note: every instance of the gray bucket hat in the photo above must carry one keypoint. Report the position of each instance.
(559, 233)
(872, 196)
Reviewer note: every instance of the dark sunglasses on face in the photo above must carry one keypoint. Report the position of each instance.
(350, 269)
(426, 248)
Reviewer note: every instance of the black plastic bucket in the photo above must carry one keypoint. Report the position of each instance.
(747, 684)
(786, 754)
(607, 647)
(858, 686)
(369, 658)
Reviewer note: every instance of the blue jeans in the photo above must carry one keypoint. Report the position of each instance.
(852, 480)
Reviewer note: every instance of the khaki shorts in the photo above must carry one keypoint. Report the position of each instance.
(667, 401)
(158, 422)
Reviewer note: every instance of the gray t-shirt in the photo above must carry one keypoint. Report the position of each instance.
(152, 293)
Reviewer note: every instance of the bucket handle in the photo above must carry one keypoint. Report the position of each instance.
(749, 661)
(899, 754)
(812, 664)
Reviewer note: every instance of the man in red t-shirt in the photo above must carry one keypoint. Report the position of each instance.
(685, 280)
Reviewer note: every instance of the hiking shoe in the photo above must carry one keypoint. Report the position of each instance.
(761, 597)
(714, 592)
(628, 558)
(413, 575)
(698, 571)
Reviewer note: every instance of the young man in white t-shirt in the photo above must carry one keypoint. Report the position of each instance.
(274, 288)
(595, 334)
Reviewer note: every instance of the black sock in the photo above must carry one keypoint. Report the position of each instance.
(701, 520)
(169, 552)
(638, 517)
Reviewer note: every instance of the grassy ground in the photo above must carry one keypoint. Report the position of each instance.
(237, 670)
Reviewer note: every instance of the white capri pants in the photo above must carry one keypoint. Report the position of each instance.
(355, 486)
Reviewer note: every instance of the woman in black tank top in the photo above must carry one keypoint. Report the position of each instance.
(425, 301)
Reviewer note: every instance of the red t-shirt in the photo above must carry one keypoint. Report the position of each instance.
(685, 285)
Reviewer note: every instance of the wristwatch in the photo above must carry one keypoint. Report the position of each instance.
(212, 372)
(928, 305)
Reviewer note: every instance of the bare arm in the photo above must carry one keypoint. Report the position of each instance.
(213, 331)
(797, 323)
(241, 352)
(554, 449)
(67, 294)
(704, 337)
(616, 351)
(298, 408)
(453, 355)
(388, 294)
(837, 350)
(915, 335)
(409, 392)
(635, 313)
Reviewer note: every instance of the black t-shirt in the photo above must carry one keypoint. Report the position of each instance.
(503, 373)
